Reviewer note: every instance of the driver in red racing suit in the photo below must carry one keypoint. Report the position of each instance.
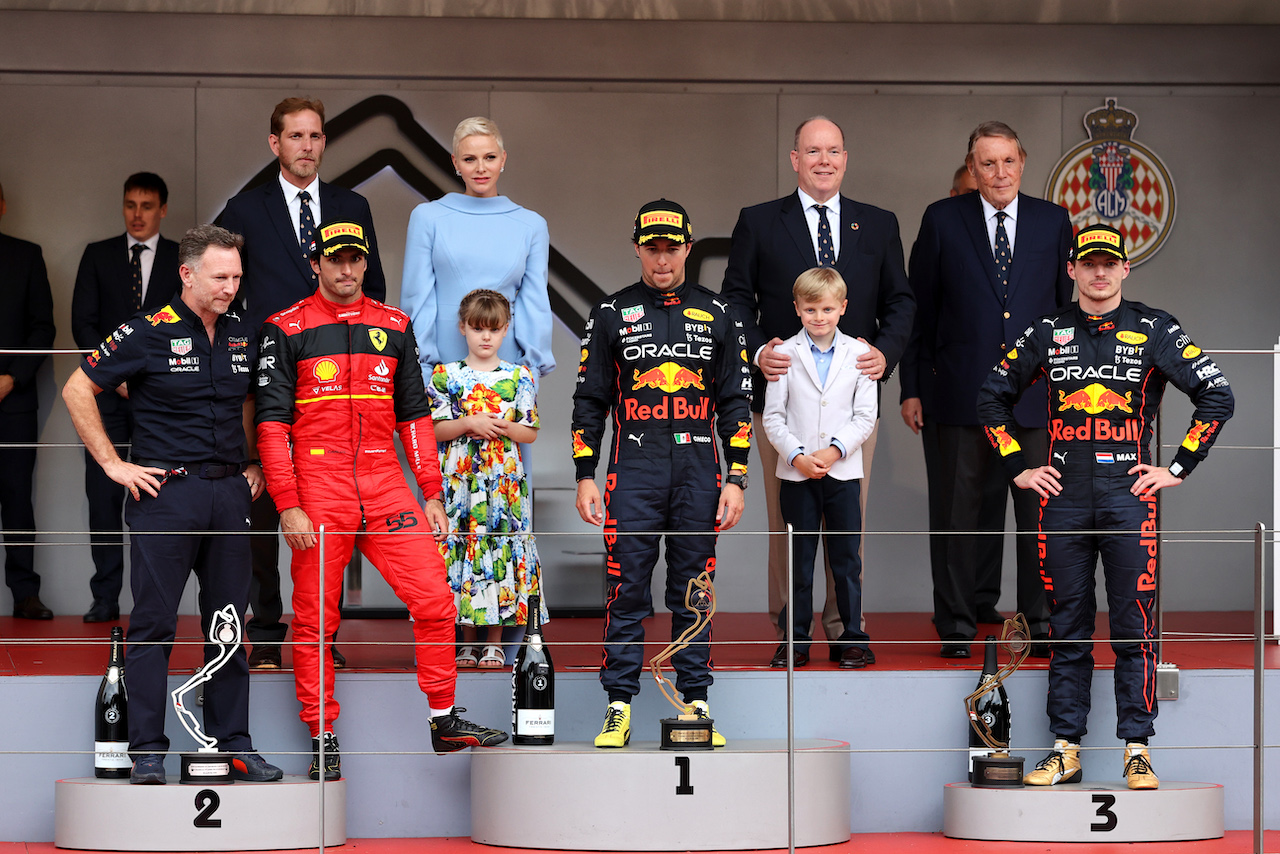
(338, 376)
(668, 359)
(1107, 361)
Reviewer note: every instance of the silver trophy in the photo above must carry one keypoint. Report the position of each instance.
(208, 765)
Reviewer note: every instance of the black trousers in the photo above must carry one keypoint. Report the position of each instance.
(972, 491)
(159, 566)
(17, 468)
(266, 625)
(106, 504)
(805, 505)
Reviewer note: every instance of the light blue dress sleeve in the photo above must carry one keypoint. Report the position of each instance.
(532, 310)
(418, 297)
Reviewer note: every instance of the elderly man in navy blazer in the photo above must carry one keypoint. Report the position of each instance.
(137, 269)
(278, 221)
(984, 266)
(25, 324)
(775, 242)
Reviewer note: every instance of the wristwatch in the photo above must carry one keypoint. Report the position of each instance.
(1176, 469)
(738, 480)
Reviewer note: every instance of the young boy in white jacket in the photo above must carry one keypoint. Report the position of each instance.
(817, 415)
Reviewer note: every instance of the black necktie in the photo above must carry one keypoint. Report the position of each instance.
(136, 264)
(306, 229)
(826, 250)
(1003, 255)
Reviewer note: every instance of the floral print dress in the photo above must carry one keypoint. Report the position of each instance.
(486, 492)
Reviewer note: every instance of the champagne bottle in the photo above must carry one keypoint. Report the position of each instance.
(992, 707)
(533, 685)
(111, 716)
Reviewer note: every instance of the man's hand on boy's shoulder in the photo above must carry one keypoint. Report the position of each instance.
(872, 362)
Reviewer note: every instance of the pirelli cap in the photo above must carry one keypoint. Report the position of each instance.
(1098, 238)
(332, 236)
(662, 219)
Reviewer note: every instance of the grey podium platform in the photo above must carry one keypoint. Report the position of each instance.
(111, 815)
(1084, 812)
(642, 798)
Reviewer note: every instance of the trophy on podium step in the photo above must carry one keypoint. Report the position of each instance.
(988, 706)
(209, 765)
(686, 731)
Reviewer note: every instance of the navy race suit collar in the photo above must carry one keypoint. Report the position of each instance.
(676, 296)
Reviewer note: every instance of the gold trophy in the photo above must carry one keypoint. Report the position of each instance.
(988, 707)
(686, 732)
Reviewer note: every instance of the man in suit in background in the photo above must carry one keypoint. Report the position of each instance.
(278, 220)
(984, 266)
(138, 269)
(26, 323)
(775, 242)
(962, 181)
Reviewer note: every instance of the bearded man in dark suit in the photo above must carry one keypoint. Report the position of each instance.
(984, 266)
(772, 244)
(277, 221)
(117, 277)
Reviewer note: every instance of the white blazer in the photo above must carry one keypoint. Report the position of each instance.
(798, 413)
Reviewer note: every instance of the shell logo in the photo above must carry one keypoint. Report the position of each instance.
(325, 370)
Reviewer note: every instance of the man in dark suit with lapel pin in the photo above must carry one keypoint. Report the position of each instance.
(278, 220)
(775, 242)
(137, 269)
(984, 266)
(25, 324)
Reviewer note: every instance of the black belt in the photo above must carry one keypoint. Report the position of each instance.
(208, 471)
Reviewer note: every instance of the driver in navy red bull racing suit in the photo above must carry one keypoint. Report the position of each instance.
(668, 360)
(1107, 361)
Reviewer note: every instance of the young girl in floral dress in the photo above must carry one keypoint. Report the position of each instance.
(482, 408)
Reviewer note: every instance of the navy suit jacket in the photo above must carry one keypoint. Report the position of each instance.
(275, 273)
(771, 246)
(27, 319)
(964, 325)
(103, 296)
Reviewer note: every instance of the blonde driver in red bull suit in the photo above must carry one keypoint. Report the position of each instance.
(1107, 361)
(667, 358)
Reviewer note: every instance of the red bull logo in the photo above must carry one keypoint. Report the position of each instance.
(1002, 441)
(668, 377)
(1094, 398)
(1199, 432)
(164, 315)
(580, 448)
(677, 408)
(742, 438)
(1099, 429)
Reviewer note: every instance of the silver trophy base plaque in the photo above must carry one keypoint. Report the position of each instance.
(206, 768)
(686, 732)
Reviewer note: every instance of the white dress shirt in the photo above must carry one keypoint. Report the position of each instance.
(291, 194)
(1010, 223)
(146, 260)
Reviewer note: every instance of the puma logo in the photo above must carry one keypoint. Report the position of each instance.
(613, 304)
(633, 437)
(722, 306)
(1150, 321)
(1062, 457)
